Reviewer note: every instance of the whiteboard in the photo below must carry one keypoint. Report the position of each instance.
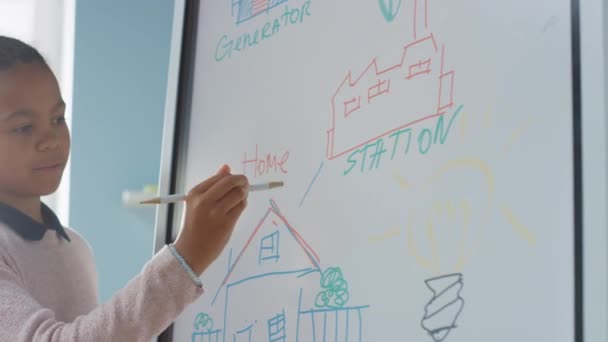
(428, 152)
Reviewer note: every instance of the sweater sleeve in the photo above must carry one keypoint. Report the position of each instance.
(140, 311)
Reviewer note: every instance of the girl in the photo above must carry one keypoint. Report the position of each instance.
(48, 288)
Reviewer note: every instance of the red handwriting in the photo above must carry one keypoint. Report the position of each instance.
(269, 163)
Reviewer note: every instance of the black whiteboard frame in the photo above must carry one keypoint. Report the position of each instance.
(166, 223)
(577, 150)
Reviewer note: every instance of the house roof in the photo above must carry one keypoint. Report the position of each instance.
(306, 248)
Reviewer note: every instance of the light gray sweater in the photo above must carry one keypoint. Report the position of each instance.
(48, 292)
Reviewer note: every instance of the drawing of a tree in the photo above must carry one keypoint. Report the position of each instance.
(334, 289)
(203, 322)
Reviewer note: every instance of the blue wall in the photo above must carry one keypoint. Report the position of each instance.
(121, 60)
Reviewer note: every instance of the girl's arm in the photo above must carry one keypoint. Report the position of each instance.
(145, 307)
(152, 300)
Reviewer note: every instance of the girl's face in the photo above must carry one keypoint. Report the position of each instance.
(34, 138)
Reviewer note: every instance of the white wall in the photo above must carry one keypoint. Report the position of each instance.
(17, 18)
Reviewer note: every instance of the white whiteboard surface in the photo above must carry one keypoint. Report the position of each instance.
(423, 152)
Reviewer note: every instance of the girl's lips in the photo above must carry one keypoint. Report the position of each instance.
(53, 167)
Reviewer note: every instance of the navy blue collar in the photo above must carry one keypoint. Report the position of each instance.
(27, 227)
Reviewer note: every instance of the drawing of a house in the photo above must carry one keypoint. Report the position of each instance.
(383, 99)
(244, 10)
(277, 267)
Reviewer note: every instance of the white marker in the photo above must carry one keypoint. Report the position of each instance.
(181, 197)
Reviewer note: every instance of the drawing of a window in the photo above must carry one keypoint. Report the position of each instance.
(276, 328)
(352, 105)
(420, 68)
(382, 87)
(269, 247)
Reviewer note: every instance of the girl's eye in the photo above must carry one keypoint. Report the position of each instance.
(59, 120)
(23, 129)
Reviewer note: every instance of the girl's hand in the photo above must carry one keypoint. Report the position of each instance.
(212, 210)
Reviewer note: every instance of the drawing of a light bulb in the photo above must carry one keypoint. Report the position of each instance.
(445, 226)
